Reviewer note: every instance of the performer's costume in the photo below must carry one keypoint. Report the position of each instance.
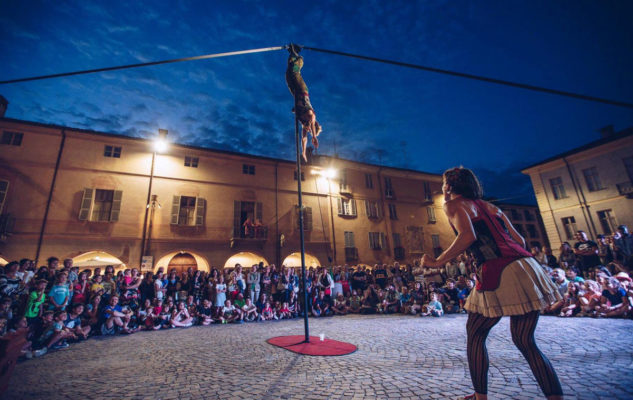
(510, 282)
(297, 86)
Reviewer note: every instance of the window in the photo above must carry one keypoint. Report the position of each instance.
(437, 249)
(592, 179)
(528, 215)
(187, 211)
(369, 183)
(515, 214)
(428, 196)
(430, 212)
(247, 220)
(307, 219)
(112, 151)
(372, 209)
(520, 229)
(11, 138)
(558, 190)
(303, 176)
(388, 188)
(349, 239)
(346, 207)
(569, 225)
(393, 214)
(191, 162)
(397, 241)
(531, 230)
(100, 205)
(377, 240)
(248, 169)
(628, 165)
(4, 188)
(607, 221)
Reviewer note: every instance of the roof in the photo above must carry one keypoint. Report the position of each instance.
(616, 136)
(228, 152)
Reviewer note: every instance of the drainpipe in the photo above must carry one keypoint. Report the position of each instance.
(583, 202)
(50, 197)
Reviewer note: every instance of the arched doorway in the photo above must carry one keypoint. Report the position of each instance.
(3, 262)
(245, 259)
(181, 259)
(181, 262)
(97, 259)
(294, 260)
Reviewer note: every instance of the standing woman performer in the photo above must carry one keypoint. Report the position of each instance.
(509, 280)
(303, 109)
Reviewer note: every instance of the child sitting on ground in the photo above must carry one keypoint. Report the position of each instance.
(267, 312)
(284, 312)
(249, 310)
(205, 313)
(434, 308)
(340, 305)
(229, 313)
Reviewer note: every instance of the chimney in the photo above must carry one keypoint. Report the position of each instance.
(3, 106)
(606, 131)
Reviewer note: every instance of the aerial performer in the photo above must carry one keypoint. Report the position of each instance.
(509, 281)
(302, 109)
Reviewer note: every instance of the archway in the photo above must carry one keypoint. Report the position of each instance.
(97, 259)
(182, 259)
(244, 258)
(294, 260)
(3, 262)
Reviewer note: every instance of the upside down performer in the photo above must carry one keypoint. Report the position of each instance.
(509, 281)
(302, 109)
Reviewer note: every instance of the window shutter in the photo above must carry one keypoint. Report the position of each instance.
(353, 206)
(339, 202)
(371, 240)
(237, 215)
(116, 205)
(378, 209)
(307, 219)
(4, 188)
(368, 208)
(200, 208)
(258, 212)
(383, 241)
(175, 210)
(86, 204)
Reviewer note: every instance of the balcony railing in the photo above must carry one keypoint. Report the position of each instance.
(344, 188)
(256, 232)
(626, 189)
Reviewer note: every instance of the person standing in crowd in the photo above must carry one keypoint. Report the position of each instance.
(587, 251)
(623, 243)
(510, 282)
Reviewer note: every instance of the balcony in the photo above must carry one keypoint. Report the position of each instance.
(351, 254)
(626, 189)
(344, 188)
(256, 235)
(7, 221)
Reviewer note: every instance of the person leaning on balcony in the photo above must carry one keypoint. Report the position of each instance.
(248, 228)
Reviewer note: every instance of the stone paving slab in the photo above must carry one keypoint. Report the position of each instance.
(400, 357)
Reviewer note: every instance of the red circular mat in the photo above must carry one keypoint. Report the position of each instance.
(316, 347)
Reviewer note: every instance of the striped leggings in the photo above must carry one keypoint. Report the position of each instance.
(522, 328)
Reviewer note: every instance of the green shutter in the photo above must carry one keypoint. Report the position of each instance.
(368, 208)
(237, 215)
(307, 219)
(339, 203)
(175, 210)
(116, 205)
(200, 208)
(86, 204)
(258, 212)
(353, 204)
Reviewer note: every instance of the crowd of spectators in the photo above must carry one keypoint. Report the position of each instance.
(59, 304)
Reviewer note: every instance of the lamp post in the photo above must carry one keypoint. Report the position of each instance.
(160, 146)
(328, 174)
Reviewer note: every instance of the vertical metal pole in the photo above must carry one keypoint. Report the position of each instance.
(301, 238)
(149, 196)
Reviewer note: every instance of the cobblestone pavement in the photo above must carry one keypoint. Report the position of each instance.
(398, 357)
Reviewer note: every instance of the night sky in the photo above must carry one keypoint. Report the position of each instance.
(370, 112)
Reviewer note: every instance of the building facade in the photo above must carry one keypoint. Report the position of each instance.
(589, 188)
(94, 197)
(527, 221)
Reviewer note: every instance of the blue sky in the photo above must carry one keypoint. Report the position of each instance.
(370, 112)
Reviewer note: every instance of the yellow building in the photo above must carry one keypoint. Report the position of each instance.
(527, 221)
(589, 188)
(70, 192)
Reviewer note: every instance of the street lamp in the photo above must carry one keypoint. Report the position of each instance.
(160, 146)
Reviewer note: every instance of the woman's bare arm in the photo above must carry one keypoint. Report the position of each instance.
(460, 219)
